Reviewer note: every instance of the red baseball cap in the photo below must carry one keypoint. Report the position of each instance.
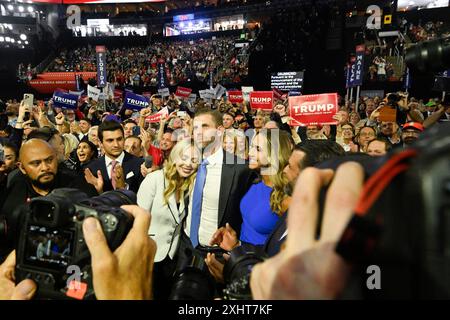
(413, 125)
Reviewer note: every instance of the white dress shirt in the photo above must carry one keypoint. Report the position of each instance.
(81, 136)
(210, 202)
(108, 162)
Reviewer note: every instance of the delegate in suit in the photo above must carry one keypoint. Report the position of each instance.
(117, 169)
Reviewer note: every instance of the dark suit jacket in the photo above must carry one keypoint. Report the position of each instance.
(235, 182)
(131, 169)
(274, 241)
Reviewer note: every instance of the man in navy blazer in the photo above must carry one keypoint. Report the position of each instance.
(117, 169)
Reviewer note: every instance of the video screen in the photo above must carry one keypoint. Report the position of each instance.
(406, 5)
(48, 248)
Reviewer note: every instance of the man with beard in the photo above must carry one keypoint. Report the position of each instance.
(411, 132)
(39, 164)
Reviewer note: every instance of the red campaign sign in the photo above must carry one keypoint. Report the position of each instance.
(118, 93)
(99, 49)
(156, 117)
(261, 100)
(360, 48)
(313, 109)
(235, 96)
(183, 92)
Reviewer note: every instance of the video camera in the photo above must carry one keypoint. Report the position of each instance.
(51, 249)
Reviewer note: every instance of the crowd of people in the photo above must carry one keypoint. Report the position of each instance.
(138, 66)
(429, 30)
(211, 174)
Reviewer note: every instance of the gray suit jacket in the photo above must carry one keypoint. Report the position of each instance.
(166, 218)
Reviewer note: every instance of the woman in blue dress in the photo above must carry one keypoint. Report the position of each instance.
(266, 200)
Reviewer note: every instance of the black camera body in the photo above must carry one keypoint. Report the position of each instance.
(51, 249)
(192, 278)
(237, 271)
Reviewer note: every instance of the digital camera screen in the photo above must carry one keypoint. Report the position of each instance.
(48, 248)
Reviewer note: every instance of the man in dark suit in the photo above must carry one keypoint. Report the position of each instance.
(221, 182)
(117, 169)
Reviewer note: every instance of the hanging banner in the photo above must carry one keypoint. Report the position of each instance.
(359, 65)
(65, 100)
(261, 100)
(134, 101)
(347, 76)
(313, 109)
(407, 81)
(78, 81)
(162, 83)
(352, 71)
(101, 66)
(235, 96)
(183, 92)
(156, 117)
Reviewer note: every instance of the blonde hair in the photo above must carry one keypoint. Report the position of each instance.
(70, 144)
(175, 181)
(282, 147)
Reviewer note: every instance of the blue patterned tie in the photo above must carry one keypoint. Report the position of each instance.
(197, 202)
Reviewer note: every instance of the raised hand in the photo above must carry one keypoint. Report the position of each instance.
(225, 237)
(59, 119)
(126, 273)
(97, 182)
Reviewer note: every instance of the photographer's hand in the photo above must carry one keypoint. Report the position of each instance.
(125, 274)
(225, 237)
(215, 267)
(308, 268)
(25, 290)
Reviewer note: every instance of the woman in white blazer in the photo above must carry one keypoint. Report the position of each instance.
(164, 193)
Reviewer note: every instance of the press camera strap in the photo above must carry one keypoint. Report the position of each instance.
(361, 234)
